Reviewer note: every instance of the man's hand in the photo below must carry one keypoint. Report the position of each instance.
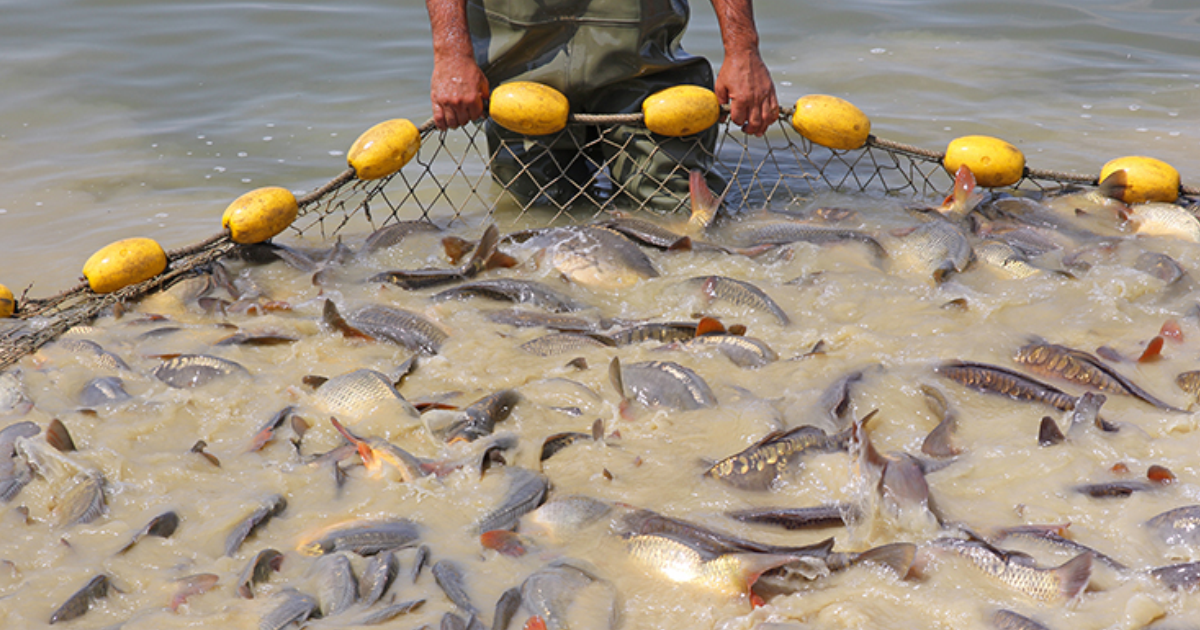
(744, 83)
(458, 91)
(458, 88)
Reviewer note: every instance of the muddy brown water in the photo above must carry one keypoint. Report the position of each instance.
(872, 314)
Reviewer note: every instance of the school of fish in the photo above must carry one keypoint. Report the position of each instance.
(849, 412)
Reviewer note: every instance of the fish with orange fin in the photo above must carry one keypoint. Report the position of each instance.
(963, 198)
(485, 257)
(375, 452)
(705, 204)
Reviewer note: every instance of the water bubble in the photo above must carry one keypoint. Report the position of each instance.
(337, 153)
(3, 210)
(1142, 129)
(267, 138)
(209, 143)
(200, 137)
(242, 154)
(245, 180)
(1134, 108)
(271, 125)
(1085, 115)
(1086, 106)
(785, 83)
(1174, 134)
(161, 215)
(878, 51)
(219, 169)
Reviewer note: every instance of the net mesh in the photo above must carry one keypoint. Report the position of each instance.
(450, 177)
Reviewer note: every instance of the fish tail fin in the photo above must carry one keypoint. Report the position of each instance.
(683, 244)
(334, 319)
(456, 248)
(704, 204)
(940, 441)
(898, 557)
(1115, 185)
(1074, 575)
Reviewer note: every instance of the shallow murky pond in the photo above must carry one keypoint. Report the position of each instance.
(852, 312)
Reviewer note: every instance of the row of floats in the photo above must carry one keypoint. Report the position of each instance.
(536, 110)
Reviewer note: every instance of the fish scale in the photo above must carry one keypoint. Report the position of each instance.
(1082, 368)
(354, 394)
(1045, 585)
(667, 384)
(399, 326)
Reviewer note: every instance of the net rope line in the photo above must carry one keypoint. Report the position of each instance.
(450, 175)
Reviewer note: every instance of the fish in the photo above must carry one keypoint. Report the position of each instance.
(401, 327)
(8, 438)
(1180, 526)
(396, 233)
(1050, 534)
(712, 542)
(356, 394)
(265, 339)
(514, 290)
(1162, 219)
(78, 604)
(480, 417)
(1041, 219)
(552, 592)
(740, 293)
(269, 508)
(780, 452)
(1048, 432)
(1009, 260)
(522, 318)
(526, 491)
(1106, 196)
(1114, 489)
(1050, 586)
(1179, 577)
(103, 390)
(936, 249)
(553, 444)
(258, 570)
(794, 576)
(1166, 269)
(161, 526)
(290, 607)
(591, 256)
(375, 452)
(818, 517)
(646, 232)
(191, 585)
(480, 260)
(564, 516)
(963, 197)
(79, 490)
(664, 332)
(744, 352)
(196, 370)
(1009, 620)
(94, 353)
(997, 380)
(555, 344)
(663, 384)
(364, 538)
(377, 577)
(1082, 368)
(730, 574)
(337, 586)
(786, 232)
(450, 579)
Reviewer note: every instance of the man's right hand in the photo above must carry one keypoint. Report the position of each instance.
(458, 91)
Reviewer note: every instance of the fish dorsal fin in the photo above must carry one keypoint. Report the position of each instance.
(709, 326)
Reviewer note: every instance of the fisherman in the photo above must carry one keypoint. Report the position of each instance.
(606, 56)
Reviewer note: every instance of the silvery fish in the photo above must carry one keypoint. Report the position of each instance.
(364, 538)
(196, 370)
(354, 395)
(740, 293)
(514, 290)
(1163, 219)
(935, 249)
(591, 256)
(552, 592)
(1180, 526)
(1051, 586)
(662, 384)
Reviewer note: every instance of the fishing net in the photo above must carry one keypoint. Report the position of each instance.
(450, 178)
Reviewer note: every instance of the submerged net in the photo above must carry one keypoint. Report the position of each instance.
(450, 178)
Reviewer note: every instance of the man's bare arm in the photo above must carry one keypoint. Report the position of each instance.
(744, 81)
(458, 88)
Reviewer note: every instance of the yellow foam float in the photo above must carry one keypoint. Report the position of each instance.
(1146, 179)
(529, 108)
(120, 264)
(831, 122)
(993, 161)
(384, 149)
(682, 110)
(260, 214)
(8, 303)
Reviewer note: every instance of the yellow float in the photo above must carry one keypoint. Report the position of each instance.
(384, 149)
(831, 122)
(123, 263)
(529, 108)
(1146, 179)
(682, 110)
(8, 303)
(993, 161)
(260, 214)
